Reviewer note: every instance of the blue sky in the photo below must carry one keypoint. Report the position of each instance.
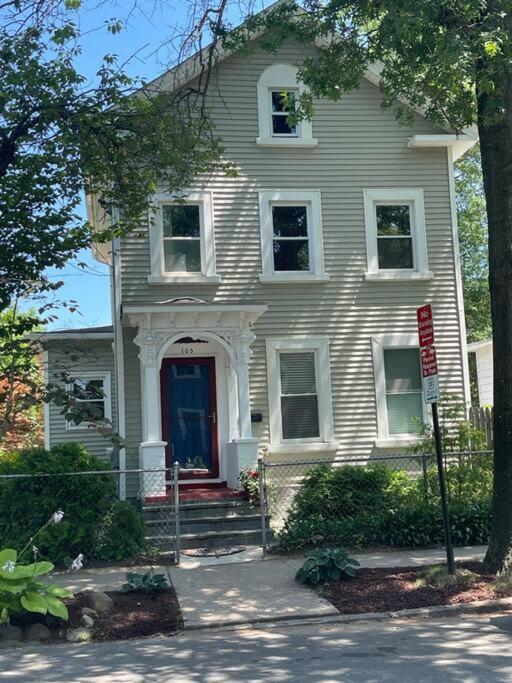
(148, 24)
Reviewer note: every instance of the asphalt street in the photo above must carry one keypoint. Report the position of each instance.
(465, 649)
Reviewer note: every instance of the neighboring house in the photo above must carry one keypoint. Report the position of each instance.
(483, 353)
(278, 308)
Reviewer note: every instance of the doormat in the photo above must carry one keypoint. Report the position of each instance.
(213, 552)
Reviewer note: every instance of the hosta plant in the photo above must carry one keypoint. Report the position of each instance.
(22, 588)
(326, 564)
(149, 582)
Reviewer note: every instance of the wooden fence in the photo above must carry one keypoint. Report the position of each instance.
(481, 418)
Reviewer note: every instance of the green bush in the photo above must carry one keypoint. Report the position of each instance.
(380, 506)
(121, 534)
(88, 500)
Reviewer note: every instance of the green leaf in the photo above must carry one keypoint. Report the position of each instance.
(57, 607)
(34, 602)
(58, 591)
(14, 587)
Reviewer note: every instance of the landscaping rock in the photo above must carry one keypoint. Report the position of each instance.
(78, 635)
(89, 612)
(87, 621)
(38, 632)
(100, 602)
(9, 632)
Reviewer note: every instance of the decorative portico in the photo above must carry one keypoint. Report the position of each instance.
(190, 328)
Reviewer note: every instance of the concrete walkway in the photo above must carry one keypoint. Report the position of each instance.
(242, 588)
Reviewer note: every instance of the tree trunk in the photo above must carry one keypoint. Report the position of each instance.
(496, 149)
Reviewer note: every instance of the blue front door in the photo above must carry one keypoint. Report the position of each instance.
(189, 415)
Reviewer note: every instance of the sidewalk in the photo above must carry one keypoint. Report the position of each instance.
(247, 588)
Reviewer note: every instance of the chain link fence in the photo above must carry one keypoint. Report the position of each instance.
(386, 500)
(108, 515)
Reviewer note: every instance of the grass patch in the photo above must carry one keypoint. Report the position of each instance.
(437, 576)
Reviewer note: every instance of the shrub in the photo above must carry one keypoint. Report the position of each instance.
(378, 506)
(326, 565)
(87, 501)
(121, 534)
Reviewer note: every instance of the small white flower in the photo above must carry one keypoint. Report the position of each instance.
(56, 518)
(9, 566)
(77, 563)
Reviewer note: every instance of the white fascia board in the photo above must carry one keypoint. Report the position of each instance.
(193, 308)
(459, 143)
(59, 336)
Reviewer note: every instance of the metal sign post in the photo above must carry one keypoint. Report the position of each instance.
(431, 394)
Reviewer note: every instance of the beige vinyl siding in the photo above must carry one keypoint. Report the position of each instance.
(76, 356)
(359, 146)
(484, 361)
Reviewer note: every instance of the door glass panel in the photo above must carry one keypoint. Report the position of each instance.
(190, 417)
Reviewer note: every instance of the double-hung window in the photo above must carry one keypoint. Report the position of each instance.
(395, 235)
(291, 236)
(401, 409)
(282, 106)
(181, 239)
(91, 397)
(299, 393)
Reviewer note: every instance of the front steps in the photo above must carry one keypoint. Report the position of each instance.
(204, 523)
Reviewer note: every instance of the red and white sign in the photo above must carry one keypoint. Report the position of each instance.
(425, 325)
(428, 353)
(428, 361)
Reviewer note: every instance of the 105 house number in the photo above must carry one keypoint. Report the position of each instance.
(187, 350)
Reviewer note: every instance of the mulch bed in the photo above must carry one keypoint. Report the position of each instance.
(134, 615)
(384, 590)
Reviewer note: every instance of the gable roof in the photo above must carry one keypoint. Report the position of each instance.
(190, 68)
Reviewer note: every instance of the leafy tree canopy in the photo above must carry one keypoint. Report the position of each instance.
(472, 221)
(60, 135)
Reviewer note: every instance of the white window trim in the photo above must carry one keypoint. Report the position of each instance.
(310, 199)
(418, 232)
(379, 344)
(107, 390)
(320, 347)
(280, 77)
(208, 273)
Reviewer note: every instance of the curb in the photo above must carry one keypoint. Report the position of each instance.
(475, 607)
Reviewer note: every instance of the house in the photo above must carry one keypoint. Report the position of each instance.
(278, 308)
(484, 360)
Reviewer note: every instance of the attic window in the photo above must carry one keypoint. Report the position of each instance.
(278, 92)
(282, 105)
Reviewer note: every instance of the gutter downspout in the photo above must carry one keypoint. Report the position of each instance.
(118, 349)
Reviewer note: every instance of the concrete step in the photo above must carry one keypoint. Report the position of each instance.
(209, 539)
(236, 508)
(213, 523)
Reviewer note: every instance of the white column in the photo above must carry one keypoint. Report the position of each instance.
(152, 448)
(246, 445)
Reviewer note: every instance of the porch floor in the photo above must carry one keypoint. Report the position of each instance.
(191, 492)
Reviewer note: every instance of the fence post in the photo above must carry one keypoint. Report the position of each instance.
(263, 504)
(176, 472)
